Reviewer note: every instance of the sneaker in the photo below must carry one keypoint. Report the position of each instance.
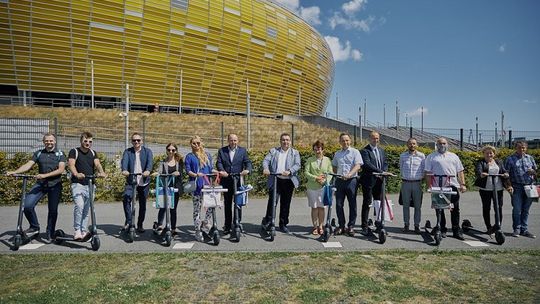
(31, 231)
(125, 228)
(284, 229)
(528, 234)
(77, 236)
(406, 229)
(86, 236)
(339, 231)
(365, 231)
(226, 231)
(140, 229)
(515, 233)
(417, 229)
(459, 235)
(350, 231)
(443, 234)
(199, 236)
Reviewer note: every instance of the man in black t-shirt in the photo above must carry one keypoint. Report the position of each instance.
(51, 164)
(82, 162)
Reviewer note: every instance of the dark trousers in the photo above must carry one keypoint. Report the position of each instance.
(161, 213)
(54, 194)
(229, 205)
(454, 213)
(368, 193)
(285, 188)
(487, 198)
(142, 194)
(346, 189)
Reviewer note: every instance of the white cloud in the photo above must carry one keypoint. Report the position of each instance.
(351, 22)
(529, 101)
(502, 48)
(311, 14)
(342, 52)
(417, 112)
(351, 7)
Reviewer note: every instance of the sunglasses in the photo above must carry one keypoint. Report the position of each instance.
(87, 141)
(136, 140)
(171, 150)
(198, 143)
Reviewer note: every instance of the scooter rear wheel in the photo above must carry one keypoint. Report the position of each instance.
(17, 242)
(466, 225)
(168, 238)
(499, 237)
(326, 235)
(438, 238)
(131, 235)
(382, 236)
(236, 234)
(216, 237)
(58, 234)
(96, 243)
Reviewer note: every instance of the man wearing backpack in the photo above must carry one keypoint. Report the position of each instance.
(51, 164)
(82, 161)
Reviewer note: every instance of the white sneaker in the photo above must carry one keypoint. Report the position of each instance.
(78, 236)
(516, 233)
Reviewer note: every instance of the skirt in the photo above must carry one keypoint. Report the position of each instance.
(314, 198)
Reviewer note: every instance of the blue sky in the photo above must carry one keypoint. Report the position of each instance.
(458, 59)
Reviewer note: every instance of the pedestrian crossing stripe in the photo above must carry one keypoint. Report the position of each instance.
(332, 245)
(30, 246)
(476, 244)
(183, 245)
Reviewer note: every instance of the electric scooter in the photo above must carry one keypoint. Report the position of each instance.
(499, 235)
(130, 231)
(327, 201)
(60, 236)
(213, 233)
(21, 237)
(239, 200)
(268, 230)
(379, 222)
(440, 200)
(166, 233)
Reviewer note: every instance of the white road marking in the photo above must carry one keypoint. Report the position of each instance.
(332, 245)
(183, 245)
(31, 246)
(476, 244)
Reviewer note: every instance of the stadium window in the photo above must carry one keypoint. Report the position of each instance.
(272, 32)
(180, 4)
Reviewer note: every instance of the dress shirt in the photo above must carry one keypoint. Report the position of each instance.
(411, 165)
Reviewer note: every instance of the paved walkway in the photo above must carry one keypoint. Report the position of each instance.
(110, 217)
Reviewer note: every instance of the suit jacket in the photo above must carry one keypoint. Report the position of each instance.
(239, 163)
(292, 164)
(128, 162)
(370, 165)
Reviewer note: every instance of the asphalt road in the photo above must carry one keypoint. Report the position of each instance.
(110, 219)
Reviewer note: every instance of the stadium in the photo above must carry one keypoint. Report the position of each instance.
(183, 55)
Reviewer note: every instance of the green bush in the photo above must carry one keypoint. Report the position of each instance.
(111, 188)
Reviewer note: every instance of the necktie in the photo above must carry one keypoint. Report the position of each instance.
(378, 158)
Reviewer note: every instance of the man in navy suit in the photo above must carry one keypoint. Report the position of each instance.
(374, 161)
(232, 159)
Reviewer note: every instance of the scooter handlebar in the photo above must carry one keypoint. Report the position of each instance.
(384, 174)
(439, 175)
(22, 175)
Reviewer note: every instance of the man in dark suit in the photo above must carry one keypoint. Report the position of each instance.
(232, 159)
(374, 161)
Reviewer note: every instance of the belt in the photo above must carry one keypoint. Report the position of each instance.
(410, 181)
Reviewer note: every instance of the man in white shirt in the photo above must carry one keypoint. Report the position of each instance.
(346, 162)
(443, 162)
(411, 166)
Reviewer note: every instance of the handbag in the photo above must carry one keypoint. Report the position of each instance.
(388, 210)
(241, 195)
(161, 192)
(327, 193)
(531, 191)
(212, 196)
(191, 186)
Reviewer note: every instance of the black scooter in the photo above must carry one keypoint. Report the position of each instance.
(166, 233)
(213, 233)
(130, 231)
(441, 194)
(268, 230)
(21, 237)
(379, 221)
(330, 222)
(237, 230)
(499, 235)
(60, 236)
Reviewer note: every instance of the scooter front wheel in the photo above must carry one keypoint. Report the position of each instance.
(58, 234)
(499, 237)
(236, 234)
(382, 236)
(216, 238)
(466, 225)
(96, 243)
(438, 238)
(17, 242)
(168, 238)
(131, 235)
(326, 235)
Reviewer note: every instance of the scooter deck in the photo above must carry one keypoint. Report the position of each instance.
(70, 238)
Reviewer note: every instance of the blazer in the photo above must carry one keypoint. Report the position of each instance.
(239, 163)
(128, 162)
(292, 164)
(482, 166)
(370, 165)
(312, 170)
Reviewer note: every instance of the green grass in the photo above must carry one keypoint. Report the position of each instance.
(396, 276)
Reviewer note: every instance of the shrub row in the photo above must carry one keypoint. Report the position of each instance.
(111, 188)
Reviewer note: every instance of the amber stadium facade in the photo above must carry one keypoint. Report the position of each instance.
(193, 54)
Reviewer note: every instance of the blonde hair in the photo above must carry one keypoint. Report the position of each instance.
(491, 148)
(201, 154)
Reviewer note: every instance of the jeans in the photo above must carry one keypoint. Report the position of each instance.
(520, 211)
(81, 198)
(346, 188)
(54, 194)
(142, 194)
